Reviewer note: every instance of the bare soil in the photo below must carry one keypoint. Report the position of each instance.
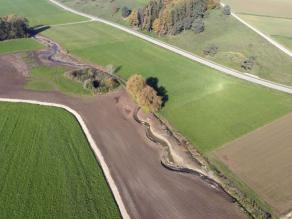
(263, 160)
(147, 188)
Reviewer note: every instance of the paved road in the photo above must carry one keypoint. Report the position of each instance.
(266, 37)
(220, 68)
(147, 189)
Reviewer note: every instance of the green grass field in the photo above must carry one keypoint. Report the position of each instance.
(19, 45)
(47, 167)
(235, 44)
(196, 93)
(53, 79)
(279, 28)
(235, 41)
(106, 9)
(39, 12)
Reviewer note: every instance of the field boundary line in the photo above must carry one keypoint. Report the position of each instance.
(266, 37)
(70, 23)
(186, 54)
(92, 143)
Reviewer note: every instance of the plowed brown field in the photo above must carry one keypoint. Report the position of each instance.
(263, 160)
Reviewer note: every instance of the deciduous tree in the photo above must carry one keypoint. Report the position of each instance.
(149, 100)
(144, 95)
(135, 84)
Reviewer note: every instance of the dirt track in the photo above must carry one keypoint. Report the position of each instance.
(148, 190)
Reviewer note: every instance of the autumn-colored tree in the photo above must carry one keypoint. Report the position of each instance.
(174, 16)
(144, 95)
(135, 84)
(213, 4)
(156, 25)
(133, 18)
(148, 100)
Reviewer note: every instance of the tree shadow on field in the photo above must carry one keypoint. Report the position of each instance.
(38, 29)
(161, 91)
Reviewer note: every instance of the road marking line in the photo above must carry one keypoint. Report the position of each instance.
(72, 23)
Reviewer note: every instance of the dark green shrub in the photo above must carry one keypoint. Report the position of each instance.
(227, 10)
(249, 63)
(125, 12)
(198, 25)
(211, 50)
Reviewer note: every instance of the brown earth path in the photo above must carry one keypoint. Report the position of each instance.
(147, 189)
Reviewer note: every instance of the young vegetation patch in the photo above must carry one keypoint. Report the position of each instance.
(94, 80)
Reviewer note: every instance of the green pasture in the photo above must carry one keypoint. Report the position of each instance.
(19, 45)
(53, 79)
(235, 42)
(278, 28)
(208, 107)
(110, 10)
(39, 12)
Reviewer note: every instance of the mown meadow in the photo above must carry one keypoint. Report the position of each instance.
(19, 45)
(234, 41)
(209, 108)
(39, 12)
(272, 17)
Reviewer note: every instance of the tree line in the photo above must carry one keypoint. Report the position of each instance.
(172, 17)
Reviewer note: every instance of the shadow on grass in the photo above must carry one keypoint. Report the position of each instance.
(37, 29)
(161, 91)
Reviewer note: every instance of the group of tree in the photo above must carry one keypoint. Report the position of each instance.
(94, 79)
(144, 95)
(210, 50)
(172, 16)
(12, 27)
